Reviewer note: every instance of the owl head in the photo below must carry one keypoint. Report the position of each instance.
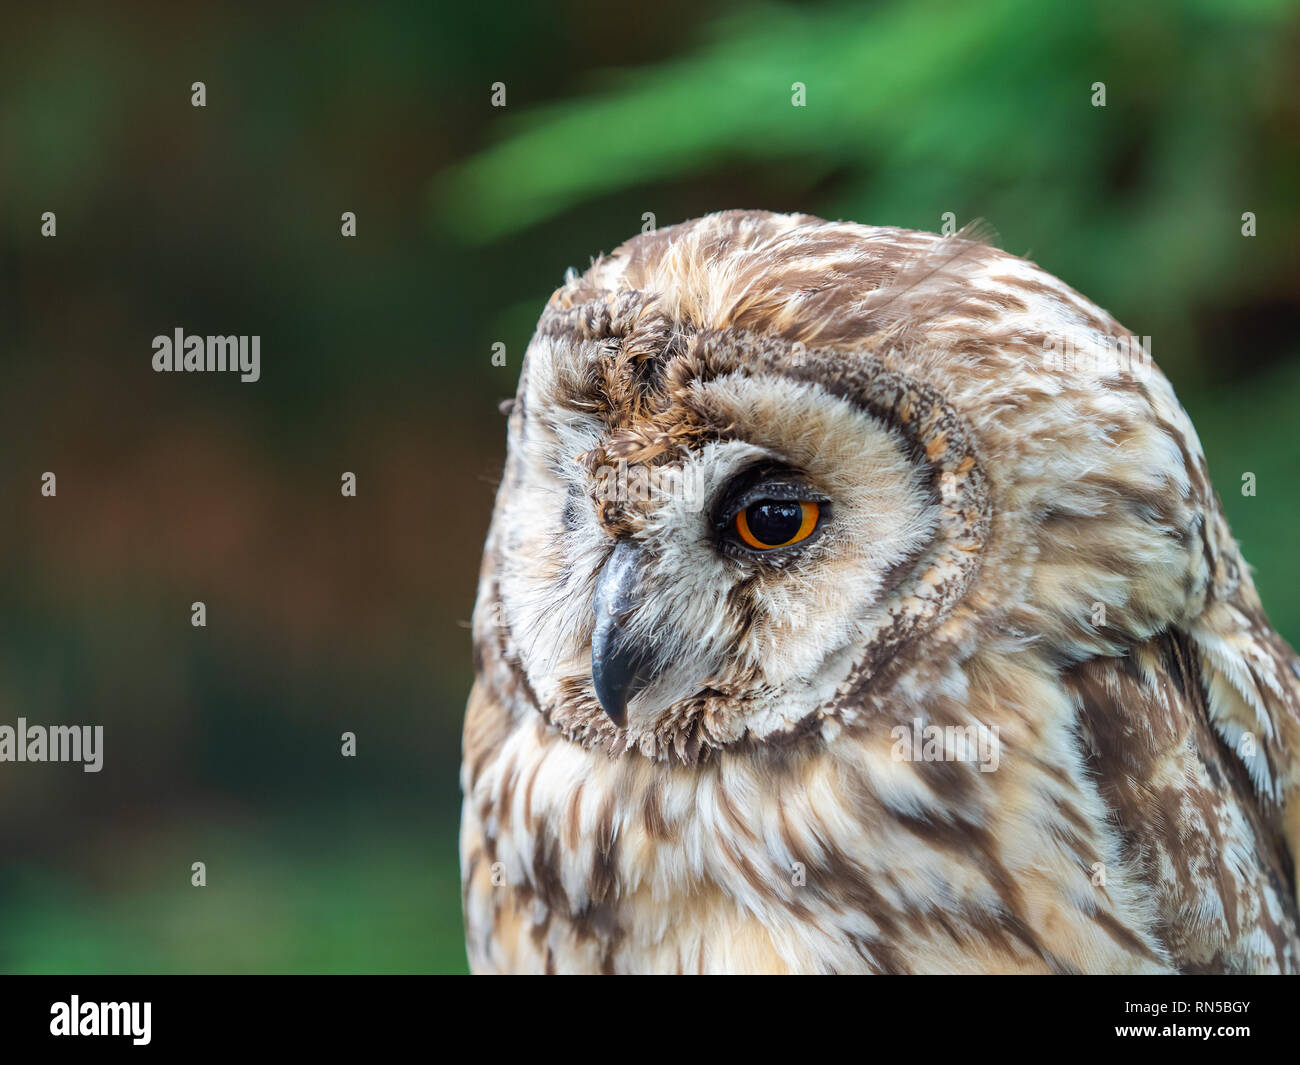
(770, 476)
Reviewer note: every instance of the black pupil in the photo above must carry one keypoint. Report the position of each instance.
(774, 522)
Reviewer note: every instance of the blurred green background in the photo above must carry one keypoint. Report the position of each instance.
(328, 614)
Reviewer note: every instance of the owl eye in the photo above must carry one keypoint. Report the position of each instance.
(772, 523)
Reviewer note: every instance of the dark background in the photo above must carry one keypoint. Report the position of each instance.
(328, 614)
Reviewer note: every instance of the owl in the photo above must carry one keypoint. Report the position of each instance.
(857, 600)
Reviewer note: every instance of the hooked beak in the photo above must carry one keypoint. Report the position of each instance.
(619, 667)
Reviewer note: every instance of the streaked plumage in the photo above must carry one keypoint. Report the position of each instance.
(1013, 545)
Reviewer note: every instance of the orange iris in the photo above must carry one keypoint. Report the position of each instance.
(809, 513)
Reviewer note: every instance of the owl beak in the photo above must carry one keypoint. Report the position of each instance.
(619, 667)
